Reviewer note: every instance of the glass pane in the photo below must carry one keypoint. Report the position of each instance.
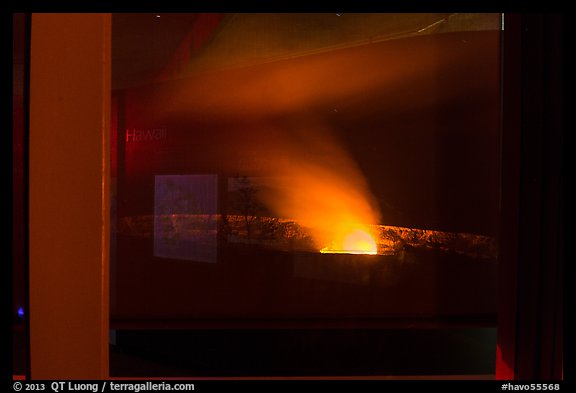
(325, 182)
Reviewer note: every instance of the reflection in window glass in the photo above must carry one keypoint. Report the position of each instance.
(328, 167)
(185, 208)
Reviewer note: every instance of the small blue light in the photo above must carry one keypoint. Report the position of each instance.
(21, 312)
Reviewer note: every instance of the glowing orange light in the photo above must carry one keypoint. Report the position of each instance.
(356, 241)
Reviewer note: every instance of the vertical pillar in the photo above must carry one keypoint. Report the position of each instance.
(69, 195)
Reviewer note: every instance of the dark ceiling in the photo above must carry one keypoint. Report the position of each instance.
(144, 44)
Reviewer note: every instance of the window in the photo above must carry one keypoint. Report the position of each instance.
(305, 186)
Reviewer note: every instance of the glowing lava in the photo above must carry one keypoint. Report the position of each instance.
(357, 241)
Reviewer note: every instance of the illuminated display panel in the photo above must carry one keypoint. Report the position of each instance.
(185, 221)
